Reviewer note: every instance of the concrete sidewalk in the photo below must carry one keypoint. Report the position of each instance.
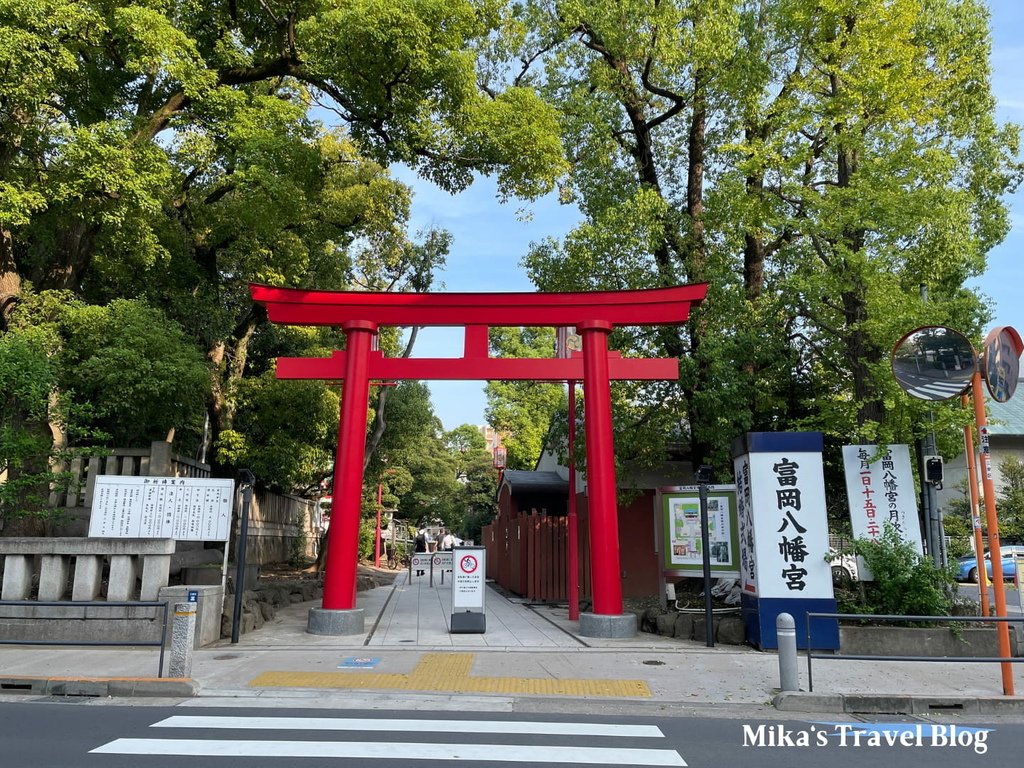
(530, 659)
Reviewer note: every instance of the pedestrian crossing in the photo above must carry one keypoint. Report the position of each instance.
(504, 741)
(938, 390)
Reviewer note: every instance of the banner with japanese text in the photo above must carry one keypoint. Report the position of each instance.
(787, 503)
(880, 490)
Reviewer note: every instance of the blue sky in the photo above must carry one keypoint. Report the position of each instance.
(490, 239)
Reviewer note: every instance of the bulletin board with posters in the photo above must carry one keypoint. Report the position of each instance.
(682, 548)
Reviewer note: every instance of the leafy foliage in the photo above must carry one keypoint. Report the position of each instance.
(905, 583)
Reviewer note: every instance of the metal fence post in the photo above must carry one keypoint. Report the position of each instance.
(789, 674)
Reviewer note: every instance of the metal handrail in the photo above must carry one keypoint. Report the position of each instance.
(888, 617)
(162, 642)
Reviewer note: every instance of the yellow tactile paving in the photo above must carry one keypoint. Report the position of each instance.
(449, 672)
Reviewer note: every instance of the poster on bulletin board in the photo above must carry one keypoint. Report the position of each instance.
(683, 544)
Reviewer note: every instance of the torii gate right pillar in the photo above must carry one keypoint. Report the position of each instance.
(607, 619)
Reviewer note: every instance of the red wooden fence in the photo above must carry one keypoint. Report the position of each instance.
(528, 556)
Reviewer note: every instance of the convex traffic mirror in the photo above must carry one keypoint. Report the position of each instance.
(934, 363)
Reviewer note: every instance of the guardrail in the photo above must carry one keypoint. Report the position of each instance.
(163, 606)
(876, 617)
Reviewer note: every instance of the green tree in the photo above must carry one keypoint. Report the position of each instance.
(521, 411)
(28, 380)
(815, 163)
(1011, 500)
(166, 153)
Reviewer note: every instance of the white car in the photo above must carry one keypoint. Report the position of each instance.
(844, 567)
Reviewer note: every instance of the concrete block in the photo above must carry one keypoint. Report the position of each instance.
(603, 625)
(122, 577)
(155, 574)
(88, 577)
(71, 545)
(183, 640)
(1000, 706)
(53, 577)
(208, 610)
(731, 631)
(324, 621)
(684, 626)
(799, 701)
(17, 578)
(877, 704)
(666, 624)
(196, 558)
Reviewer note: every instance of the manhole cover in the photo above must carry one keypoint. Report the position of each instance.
(226, 656)
(654, 663)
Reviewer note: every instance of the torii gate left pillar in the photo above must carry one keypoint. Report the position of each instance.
(593, 314)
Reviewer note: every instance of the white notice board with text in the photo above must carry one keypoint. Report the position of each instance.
(180, 508)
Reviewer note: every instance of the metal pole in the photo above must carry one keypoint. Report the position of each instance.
(248, 479)
(979, 546)
(789, 673)
(993, 531)
(705, 543)
(376, 534)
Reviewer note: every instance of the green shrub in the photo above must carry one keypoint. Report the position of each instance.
(905, 583)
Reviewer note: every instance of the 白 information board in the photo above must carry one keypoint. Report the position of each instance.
(181, 508)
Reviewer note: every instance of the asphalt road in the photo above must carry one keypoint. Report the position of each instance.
(970, 591)
(87, 735)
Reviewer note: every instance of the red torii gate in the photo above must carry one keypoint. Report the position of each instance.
(360, 314)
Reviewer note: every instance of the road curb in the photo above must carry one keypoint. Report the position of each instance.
(897, 704)
(172, 687)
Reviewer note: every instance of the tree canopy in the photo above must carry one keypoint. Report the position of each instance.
(815, 161)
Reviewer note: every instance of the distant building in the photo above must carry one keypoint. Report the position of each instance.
(1006, 440)
(492, 437)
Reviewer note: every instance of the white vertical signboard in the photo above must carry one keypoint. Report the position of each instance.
(468, 589)
(788, 500)
(880, 491)
(745, 520)
(180, 508)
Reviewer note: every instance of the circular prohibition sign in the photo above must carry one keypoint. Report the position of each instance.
(468, 564)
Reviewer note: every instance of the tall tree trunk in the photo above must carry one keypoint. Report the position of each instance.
(10, 280)
(228, 358)
(71, 258)
(697, 270)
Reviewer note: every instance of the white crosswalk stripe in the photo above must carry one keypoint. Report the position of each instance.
(403, 750)
(937, 391)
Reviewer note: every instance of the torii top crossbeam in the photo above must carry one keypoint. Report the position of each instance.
(654, 306)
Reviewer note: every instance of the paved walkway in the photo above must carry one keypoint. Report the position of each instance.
(530, 656)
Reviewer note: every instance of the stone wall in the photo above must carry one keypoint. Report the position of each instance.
(727, 628)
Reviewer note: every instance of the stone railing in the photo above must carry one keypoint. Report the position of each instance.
(131, 462)
(43, 568)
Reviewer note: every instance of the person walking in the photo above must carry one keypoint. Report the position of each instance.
(420, 545)
(447, 541)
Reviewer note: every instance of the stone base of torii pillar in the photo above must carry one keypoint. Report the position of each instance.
(326, 621)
